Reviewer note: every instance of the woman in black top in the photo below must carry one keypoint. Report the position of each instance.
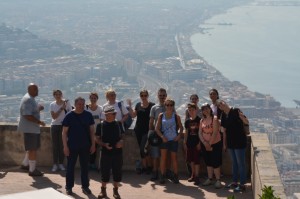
(236, 141)
(142, 112)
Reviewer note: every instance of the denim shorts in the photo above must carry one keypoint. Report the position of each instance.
(170, 146)
(154, 152)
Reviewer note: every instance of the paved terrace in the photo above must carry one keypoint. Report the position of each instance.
(261, 165)
(15, 180)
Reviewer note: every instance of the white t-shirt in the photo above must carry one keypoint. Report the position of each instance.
(119, 115)
(55, 107)
(97, 114)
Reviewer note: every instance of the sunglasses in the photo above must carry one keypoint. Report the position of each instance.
(162, 95)
(170, 105)
(143, 95)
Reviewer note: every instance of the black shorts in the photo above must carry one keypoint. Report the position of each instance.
(213, 158)
(32, 141)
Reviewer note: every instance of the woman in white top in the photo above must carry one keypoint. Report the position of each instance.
(58, 110)
(96, 111)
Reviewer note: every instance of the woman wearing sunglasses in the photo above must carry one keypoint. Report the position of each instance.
(142, 114)
(167, 127)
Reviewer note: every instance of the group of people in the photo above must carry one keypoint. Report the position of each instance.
(79, 131)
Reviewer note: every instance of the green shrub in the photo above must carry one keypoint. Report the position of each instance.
(268, 193)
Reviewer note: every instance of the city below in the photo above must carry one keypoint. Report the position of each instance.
(127, 53)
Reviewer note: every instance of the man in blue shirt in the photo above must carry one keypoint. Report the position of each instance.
(78, 140)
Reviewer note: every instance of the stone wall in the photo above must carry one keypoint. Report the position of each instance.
(12, 150)
(263, 167)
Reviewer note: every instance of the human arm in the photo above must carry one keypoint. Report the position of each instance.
(216, 130)
(120, 143)
(158, 128)
(65, 107)
(151, 123)
(31, 118)
(92, 138)
(180, 134)
(65, 140)
(186, 115)
(132, 112)
(223, 130)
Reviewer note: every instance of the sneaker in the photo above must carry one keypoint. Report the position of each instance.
(69, 192)
(196, 181)
(24, 167)
(240, 188)
(175, 179)
(61, 167)
(169, 174)
(232, 185)
(86, 191)
(162, 178)
(54, 168)
(218, 184)
(207, 182)
(191, 179)
(154, 176)
(35, 173)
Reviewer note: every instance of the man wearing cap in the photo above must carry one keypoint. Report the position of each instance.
(109, 135)
(78, 140)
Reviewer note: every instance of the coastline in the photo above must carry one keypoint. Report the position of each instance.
(230, 67)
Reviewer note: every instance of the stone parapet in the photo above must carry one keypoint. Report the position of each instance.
(12, 150)
(263, 167)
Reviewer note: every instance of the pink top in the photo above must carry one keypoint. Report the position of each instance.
(207, 130)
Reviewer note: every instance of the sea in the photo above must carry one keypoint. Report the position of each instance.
(256, 45)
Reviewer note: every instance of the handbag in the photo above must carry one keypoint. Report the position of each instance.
(154, 139)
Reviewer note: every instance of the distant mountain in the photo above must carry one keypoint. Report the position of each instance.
(22, 44)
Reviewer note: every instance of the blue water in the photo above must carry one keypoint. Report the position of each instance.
(260, 48)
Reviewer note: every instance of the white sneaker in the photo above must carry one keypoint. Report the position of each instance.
(54, 168)
(61, 167)
(207, 182)
(218, 184)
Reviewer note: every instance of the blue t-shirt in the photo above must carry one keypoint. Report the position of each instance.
(79, 129)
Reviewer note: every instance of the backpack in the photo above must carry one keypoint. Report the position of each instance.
(129, 119)
(246, 128)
